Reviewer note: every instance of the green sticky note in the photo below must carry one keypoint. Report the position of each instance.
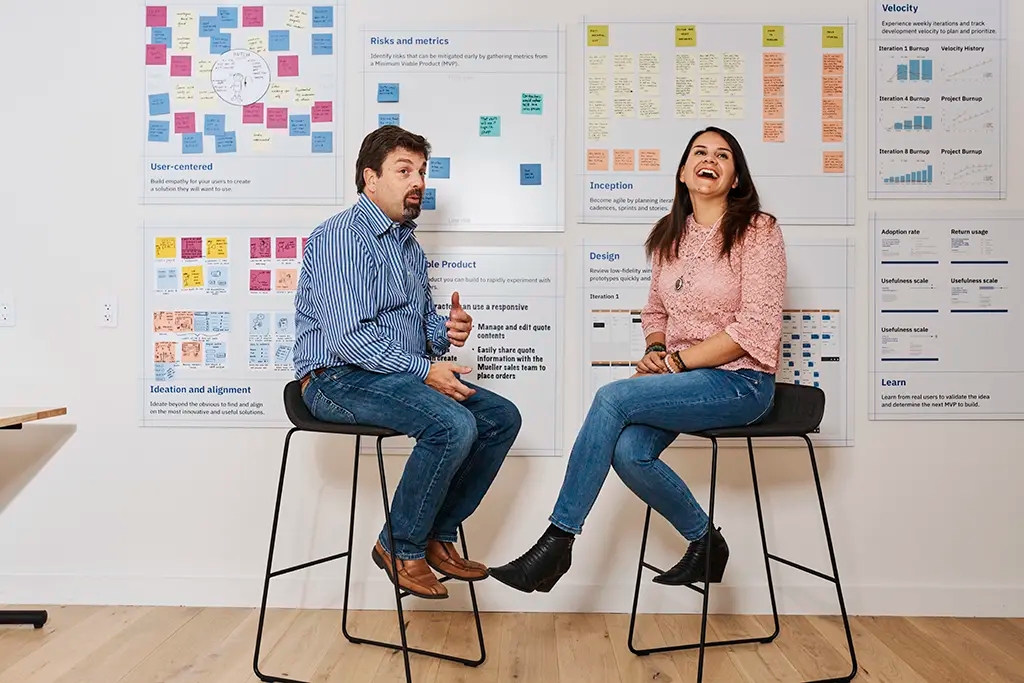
(490, 126)
(686, 35)
(597, 35)
(831, 36)
(773, 36)
(533, 103)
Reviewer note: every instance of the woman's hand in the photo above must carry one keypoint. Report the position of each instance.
(652, 364)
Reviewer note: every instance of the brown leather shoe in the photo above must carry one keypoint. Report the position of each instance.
(444, 558)
(413, 575)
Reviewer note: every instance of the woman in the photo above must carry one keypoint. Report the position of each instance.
(713, 324)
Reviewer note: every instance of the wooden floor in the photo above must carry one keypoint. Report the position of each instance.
(193, 645)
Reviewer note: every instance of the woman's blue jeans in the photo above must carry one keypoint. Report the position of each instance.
(631, 421)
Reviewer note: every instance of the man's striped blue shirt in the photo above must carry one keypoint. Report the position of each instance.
(363, 297)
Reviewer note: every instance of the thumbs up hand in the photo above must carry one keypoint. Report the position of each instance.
(460, 323)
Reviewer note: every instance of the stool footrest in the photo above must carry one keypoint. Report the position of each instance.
(427, 653)
(307, 565)
(694, 646)
(808, 570)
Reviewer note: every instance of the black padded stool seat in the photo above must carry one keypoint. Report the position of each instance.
(303, 421)
(797, 412)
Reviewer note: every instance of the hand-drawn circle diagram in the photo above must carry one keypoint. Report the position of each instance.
(240, 77)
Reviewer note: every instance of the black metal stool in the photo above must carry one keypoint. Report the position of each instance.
(304, 421)
(797, 412)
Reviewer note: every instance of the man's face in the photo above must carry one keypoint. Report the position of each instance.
(398, 191)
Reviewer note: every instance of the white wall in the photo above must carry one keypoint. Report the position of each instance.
(108, 512)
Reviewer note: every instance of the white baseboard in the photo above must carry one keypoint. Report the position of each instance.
(376, 593)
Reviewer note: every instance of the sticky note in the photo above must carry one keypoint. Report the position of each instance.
(773, 36)
(220, 43)
(191, 277)
(286, 247)
(597, 160)
(216, 353)
(279, 40)
(429, 201)
(773, 131)
(833, 162)
(166, 247)
(532, 103)
(832, 63)
(163, 321)
(686, 35)
(831, 131)
(322, 112)
(226, 143)
(529, 174)
(387, 92)
(156, 55)
(597, 35)
(252, 113)
(773, 108)
(252, 17)
(322, 44)
(439, 167)
(156, 15)
(185, 44)
(184, 122)
(191, 248)
(227, 17)
(298, 125)
(261, 141)
(297, 18)
(322, 142)
(259, 280)
(831, 109)
(773, 63)
(831, 36)
(181, 66)
(650, 159)
(160, 35)
(217, 247)
(490, 126)
(213, 124)
(259, 247)
(208, 26)
(167, 279)
(159, 131)
(277, 117)
(623, 160)
(192, 143)
(287, 66)
(388, 120)
(191, 353)
(323, 17)
(165, 351)
(159, 103)
(304, 95)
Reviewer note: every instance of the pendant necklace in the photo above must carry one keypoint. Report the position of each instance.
(713, 230)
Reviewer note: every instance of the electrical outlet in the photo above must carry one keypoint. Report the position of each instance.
(7, 312)
(107, 312)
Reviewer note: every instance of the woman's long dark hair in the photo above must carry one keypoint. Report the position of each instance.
(742, 205)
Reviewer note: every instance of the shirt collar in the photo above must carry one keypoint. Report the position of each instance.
(378, 219)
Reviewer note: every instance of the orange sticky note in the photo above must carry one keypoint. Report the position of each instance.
(163, 321)
(597, 160)
(191, 352)
(285, 279)
(831, 131)
(184, 321)
(773, 108)
(832, 64)
(165, 352)
(831, 86)
(774, 86)
(831, 109)
(833, 162)
(650, 160)
(774, 131)
(773, 63)
(622, 160)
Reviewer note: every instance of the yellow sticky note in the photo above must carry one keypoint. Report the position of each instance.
(216, 247)
(831, 36)
(304, 95)
(184, 44)
(191, 277)
(257, 44)
(597, 35)
(260, 141)
(686, 35)
(167, 247)
(773, 36)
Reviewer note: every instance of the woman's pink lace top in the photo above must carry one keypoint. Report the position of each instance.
(741, 293)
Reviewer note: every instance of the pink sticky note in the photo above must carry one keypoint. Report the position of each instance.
(191, 247)
(287, 247)
(259, 247)
(184, 122)
(323, 112)
(252, 113)
(252, 16)
(287, 66)
(277, 117)
(181, 65)
(259, 280)
(156, 55)
(156, 15)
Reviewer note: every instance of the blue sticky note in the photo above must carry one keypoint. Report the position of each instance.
(388, 120)
(323, 44)
(167, 279)
(298, 125)
(323, 17)
(323, 142)
(529, 174)
(490, 126)
(532, 103)
(213, 124)
(191, 143)
(439, 167)
(161, 35)
(429, 201)
(163, 372)
(387, 92)
(279, 40)
(159, 131)
(159, 103)
(226, 143)
(209, 26)
(259, 354)
(228, 17)
(220, 43)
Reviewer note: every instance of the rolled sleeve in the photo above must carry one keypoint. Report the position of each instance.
(758, 325)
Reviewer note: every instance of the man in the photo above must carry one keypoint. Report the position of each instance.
(366, 330)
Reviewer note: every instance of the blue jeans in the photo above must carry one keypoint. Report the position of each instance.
(460, 446)
(631, 421)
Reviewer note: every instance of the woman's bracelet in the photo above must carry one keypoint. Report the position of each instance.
(656, 346)
(675, 363)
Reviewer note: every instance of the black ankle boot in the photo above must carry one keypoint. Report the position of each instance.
(540, 567)
(690, 569)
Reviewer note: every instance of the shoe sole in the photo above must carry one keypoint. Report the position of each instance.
(379, 561)
(456, 577)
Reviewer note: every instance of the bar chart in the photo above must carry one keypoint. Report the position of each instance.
(914, 70)
(916, 122)
(922, 176)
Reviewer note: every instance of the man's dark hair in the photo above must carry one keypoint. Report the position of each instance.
(380, 143)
